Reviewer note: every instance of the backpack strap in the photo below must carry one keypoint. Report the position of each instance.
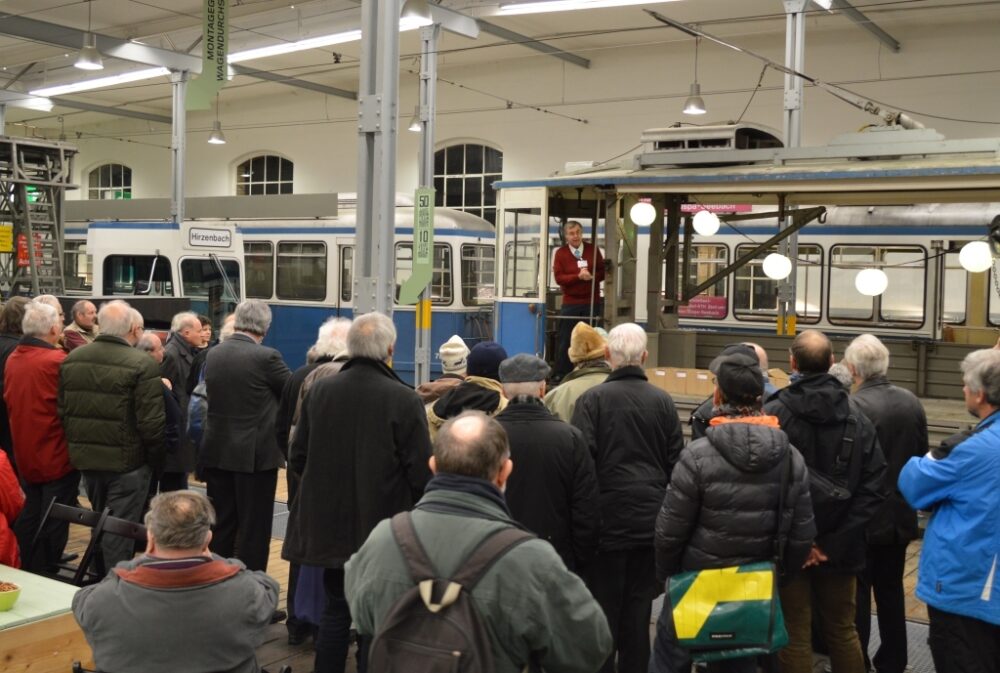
(847, 444)
(489, 551)
(413, 551)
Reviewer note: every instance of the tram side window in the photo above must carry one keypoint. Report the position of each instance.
(301, 270)
(346, 272)
(954, 297)
(521, 252)
(755, 296)
(131, 274)
(478, 263)
(901, 305)
(441, 277)
(706, 261)
(79, 267)
(200, 278)
(258, 256)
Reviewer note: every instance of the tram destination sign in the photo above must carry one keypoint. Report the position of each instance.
(209, 238)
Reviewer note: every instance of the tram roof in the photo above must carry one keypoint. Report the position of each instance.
(843, 182)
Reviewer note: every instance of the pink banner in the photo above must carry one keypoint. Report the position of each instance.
(717, 208)
(703, 306)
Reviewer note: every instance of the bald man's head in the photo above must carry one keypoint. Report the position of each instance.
(761, 355)
(811, 352)
(471, 444)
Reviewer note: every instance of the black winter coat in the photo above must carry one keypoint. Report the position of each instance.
(901, 424)
(361, 447)
(633, 433)
(721, 506)
(553, 488)
(813, 412)
(176, 367)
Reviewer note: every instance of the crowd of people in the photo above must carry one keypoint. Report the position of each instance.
(822, 477)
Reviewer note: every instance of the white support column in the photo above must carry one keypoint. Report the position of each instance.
(178, 145)
(3, 119)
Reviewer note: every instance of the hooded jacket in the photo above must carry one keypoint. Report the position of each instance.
(721, 508)
(813, 412)
(960, 558)
(432, 391)
(475, 393)
(561, 400)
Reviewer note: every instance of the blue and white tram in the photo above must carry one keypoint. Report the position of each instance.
(303, 267)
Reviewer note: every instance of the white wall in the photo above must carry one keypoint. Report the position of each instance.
(625, 91)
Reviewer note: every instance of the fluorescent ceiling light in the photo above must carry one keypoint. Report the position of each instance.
(825, 4)
(292, 47)
(25, 101)
(101, 82)
(567, 5)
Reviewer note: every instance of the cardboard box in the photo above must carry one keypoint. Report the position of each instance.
(701, 382)
(778, 377)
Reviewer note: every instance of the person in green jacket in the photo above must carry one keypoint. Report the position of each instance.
(533, 607)
(111, 406)
(586, 352)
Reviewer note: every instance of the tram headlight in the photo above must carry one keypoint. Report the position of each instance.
(871, 282)
(706, 223)
(642, 213)
(777, 266)
(976, 257)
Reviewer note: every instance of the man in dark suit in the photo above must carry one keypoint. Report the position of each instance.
(175, 366)
(244, 381)
(361, 447)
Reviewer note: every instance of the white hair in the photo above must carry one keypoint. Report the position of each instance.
(39, 319)
(253, 316)
(115, 318)
(332, 337)
(185, 319)
(371, 336)
(148, 341)
(867, 356)
(626, 344)
(981, 373)
(512, 390)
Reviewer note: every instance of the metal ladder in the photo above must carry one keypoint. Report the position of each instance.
(39, 243)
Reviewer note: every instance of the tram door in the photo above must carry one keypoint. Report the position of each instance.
(522, 255)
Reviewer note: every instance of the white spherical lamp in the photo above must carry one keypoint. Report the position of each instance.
(706, 223)
(777, 266)
(871, 282)
(643, 213)
(976, 257)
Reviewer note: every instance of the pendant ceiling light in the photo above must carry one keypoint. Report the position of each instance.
(216, 137)
(642, 213)
(89, 58)
(706, 223)
(695, 105)
(976, 257)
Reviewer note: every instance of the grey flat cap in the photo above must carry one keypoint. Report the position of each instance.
(523, 368)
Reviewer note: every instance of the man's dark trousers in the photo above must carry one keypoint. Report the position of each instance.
(244, 512)
(961, 644)
(623, 582)
(883, 575)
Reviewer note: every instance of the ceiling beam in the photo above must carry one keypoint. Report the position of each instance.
(858, 17)
(532, 43)
(114, 111)
(72, 38)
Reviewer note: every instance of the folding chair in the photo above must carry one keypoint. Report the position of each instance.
(100, 523)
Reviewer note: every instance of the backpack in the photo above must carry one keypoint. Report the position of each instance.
(832, 494)
(434, 627)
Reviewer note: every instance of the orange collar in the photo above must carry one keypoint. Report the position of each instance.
(769, 421)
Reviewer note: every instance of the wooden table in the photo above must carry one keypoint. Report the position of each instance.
(40, 634)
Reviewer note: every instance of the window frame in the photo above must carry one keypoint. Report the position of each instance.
(225, 261)
(246, 181)
(724, 282)
(491, 257)
(743, 315)
(486, 204)
(125, 188)
(160, 259)
(447, 270)
(73, 252)
(247, 255)
(323, 257)
(876, 319)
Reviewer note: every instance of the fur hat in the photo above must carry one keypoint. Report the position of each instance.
(454, 355)
(585, 343)
(485, 358)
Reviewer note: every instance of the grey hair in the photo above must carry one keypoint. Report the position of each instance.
(253, 316)
(185, 319)
(981, 373)
(512, 390)
(839, 371)
(49, 299)
(371, 336)
(227, 329)
(147, 342)
(477, 448)
(332, 337)
(867, 356)
(115, 318)
(80, 307)
(626, 344)
(180, 520)
(39, 319)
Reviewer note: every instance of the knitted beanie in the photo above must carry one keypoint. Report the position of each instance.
(485, 358)
(453, 354)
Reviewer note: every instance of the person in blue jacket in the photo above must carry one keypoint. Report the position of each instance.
(959, 574)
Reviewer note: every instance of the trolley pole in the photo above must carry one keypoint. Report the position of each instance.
(377, 103)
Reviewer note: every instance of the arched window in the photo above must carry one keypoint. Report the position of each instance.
(463, 178)
(110, 181)
(264, 174)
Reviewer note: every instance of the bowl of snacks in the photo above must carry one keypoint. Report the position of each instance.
(9, 593)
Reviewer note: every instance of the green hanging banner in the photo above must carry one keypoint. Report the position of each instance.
(214, 53)
(423, 247)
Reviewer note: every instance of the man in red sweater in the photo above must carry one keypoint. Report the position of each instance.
(31, 383)
(579, 269)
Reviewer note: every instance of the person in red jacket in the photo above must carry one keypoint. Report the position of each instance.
(11, 502)
(31, 383)
(579, 270)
